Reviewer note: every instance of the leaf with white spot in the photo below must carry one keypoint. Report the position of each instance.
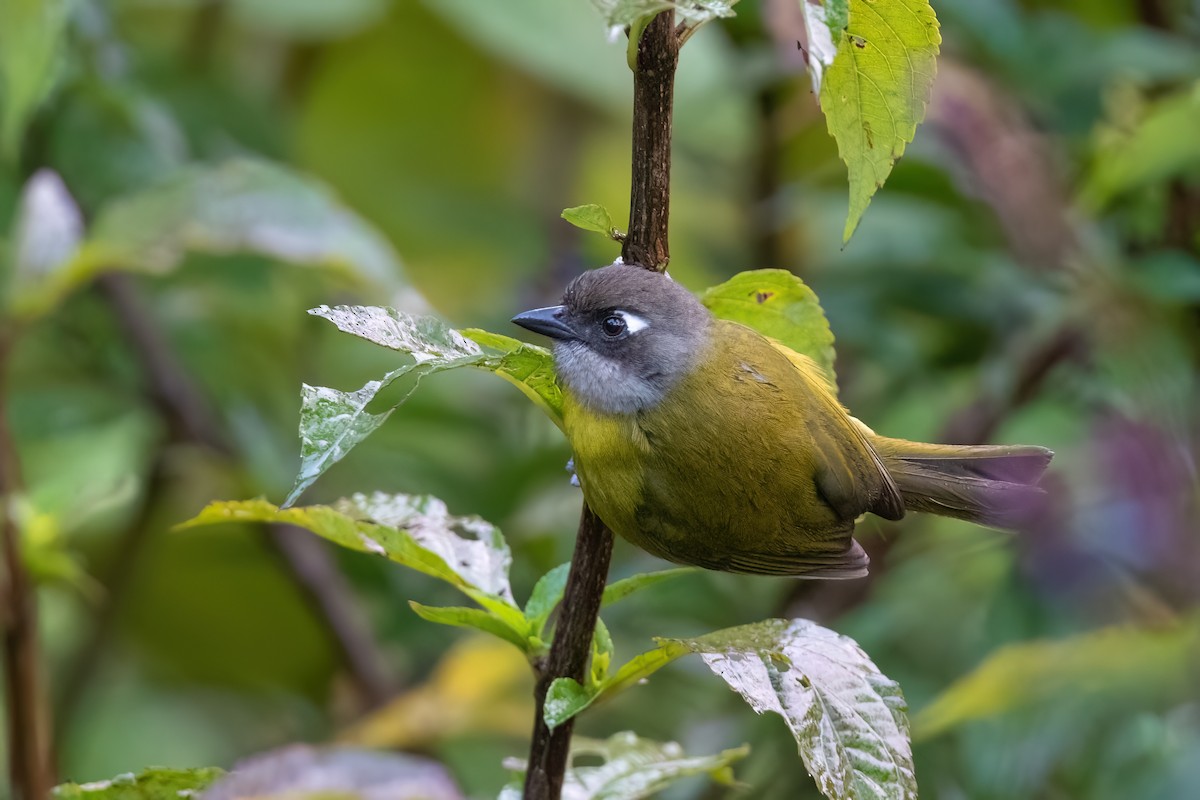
(426, 339)
(46, 235)
(632, 768)
(620, 13)
(875, 90)
(849, 720)
(332, 421)
(414, 530)
(240, 206)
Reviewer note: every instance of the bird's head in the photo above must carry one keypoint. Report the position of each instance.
(623, 337)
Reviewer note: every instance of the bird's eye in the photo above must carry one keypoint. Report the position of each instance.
(613, 325)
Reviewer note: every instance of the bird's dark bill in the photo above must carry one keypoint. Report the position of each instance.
(547, 321)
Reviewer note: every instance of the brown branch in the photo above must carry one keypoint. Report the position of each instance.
(645, 244)
(650, 186)
(549, 749)
(29, 757)
(190, 418)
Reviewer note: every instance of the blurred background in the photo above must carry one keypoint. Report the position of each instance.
(1030, 273)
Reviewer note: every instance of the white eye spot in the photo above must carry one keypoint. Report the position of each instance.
(633, 323)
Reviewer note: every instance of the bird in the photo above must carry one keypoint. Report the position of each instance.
(706, 443)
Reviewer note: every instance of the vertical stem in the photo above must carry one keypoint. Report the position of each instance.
(650, 186)
(28, 721)
(645, 244)
(569, 654)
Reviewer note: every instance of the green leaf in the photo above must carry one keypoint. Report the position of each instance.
(528, 367)
(547, 593)
(155, 783)
(568, 702)
(472, 618)
(1120, 660)
(591, 217)
(46, 235)
(241, 206)
(31, 34)
(778, 305)
(332, 421)
(564, 699)
(848, 719)
(1159, 146)
(632, 768)
(875, 91)
(602, 653)
(619, 590)
(414, 530)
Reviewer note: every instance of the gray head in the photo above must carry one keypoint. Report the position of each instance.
(622, 337)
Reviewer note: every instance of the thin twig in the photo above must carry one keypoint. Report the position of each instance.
(29, 758)
(645, 244)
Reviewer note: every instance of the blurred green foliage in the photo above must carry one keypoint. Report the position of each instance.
(1031, 273)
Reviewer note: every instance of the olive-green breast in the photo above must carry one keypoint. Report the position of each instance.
(749, 464)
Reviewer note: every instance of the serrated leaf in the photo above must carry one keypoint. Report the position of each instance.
(875, 91)
(590, 217)
(477, 618)
(31, 38)
(778, 305)
(414, 530)
(46, 235)
(848, 719)
(155, 783)
(1122, 660)
(633, 768)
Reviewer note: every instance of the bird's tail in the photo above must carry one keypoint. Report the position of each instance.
(988, 484)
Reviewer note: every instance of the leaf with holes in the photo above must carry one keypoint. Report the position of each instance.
(332, 421)
(875, 90)
(848, 718)
(414, 530)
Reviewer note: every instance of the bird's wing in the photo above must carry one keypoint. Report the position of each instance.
(850, 474)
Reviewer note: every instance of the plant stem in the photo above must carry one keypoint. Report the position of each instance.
(28, 722)
(650, 185)
(645, 244)
(568, 657)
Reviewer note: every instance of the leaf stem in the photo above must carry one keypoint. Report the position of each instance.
(29, 757)
(645, 244)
